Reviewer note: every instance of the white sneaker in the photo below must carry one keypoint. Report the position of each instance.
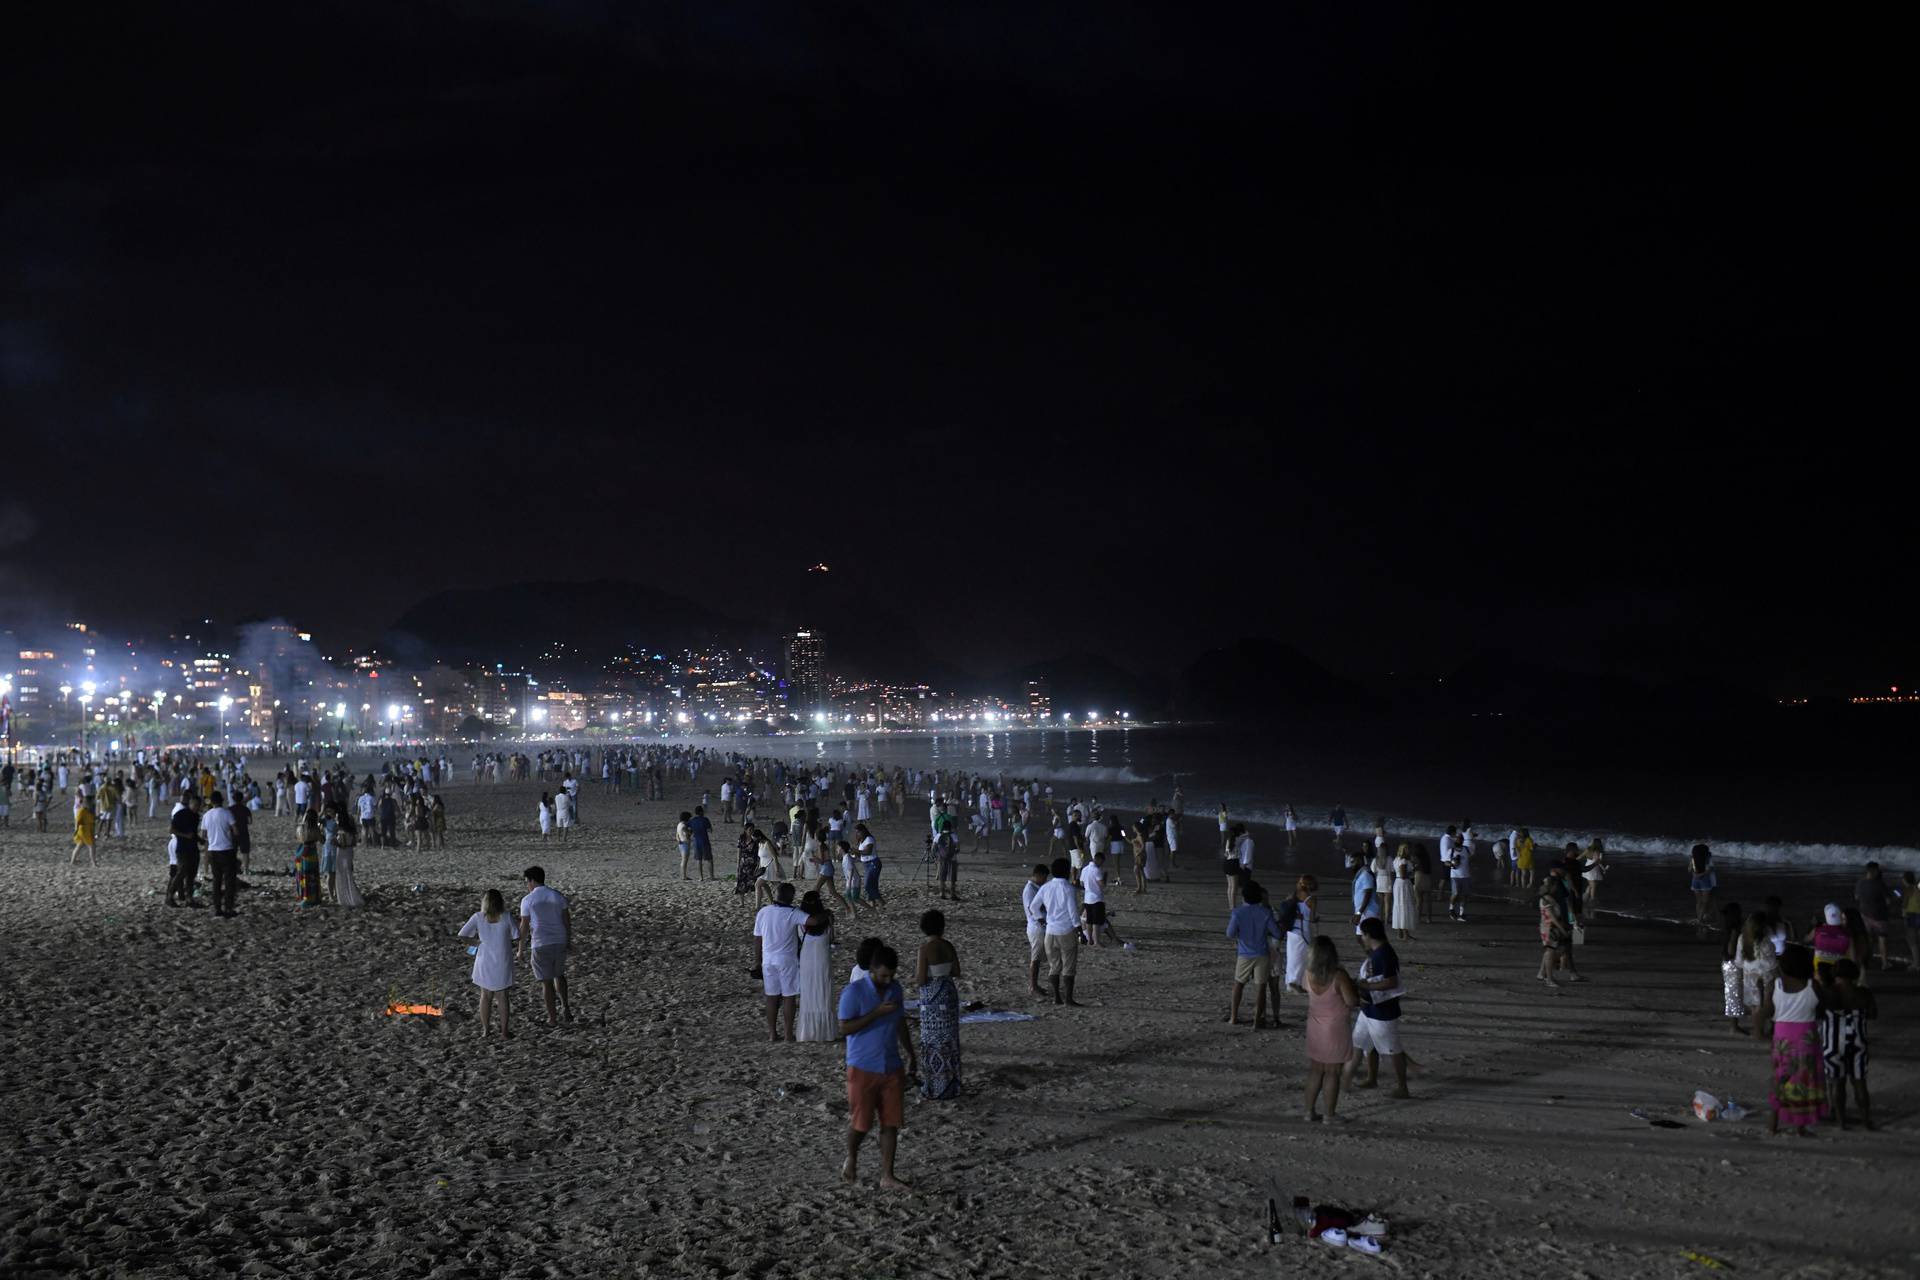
(1334, 1236)
(1365, 1244)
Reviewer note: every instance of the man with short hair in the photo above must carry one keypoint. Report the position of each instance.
(223, 852)
(546, 926)
(1377, 1030)
(1058, 906)
(1093, 888)
(700, 832)
(1253, 930)
(870, 1019)
(776, 948)
(184, 829)
(1036, 927)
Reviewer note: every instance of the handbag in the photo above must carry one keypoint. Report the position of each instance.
(1579, 934)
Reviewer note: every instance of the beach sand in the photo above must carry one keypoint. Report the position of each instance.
(195, 1096)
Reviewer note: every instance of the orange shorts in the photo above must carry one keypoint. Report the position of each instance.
(871, 1092)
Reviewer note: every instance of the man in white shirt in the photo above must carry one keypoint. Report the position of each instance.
(1036, 927)
(1093, 884)
(302, 793)
(1457, 878)
(1096, 837)
(776, 942)
(546, 926)
(217, 827)
(1058, 906)
(366, 809)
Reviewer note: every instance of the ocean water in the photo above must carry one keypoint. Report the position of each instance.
(1800, 827)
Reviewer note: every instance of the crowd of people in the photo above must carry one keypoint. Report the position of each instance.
(807, 852)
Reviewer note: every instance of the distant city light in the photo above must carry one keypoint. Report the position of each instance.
(680, 716)
(340, 710)
(393, 711)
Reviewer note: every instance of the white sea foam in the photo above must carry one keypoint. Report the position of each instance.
(1119, 775)
(1808, 856)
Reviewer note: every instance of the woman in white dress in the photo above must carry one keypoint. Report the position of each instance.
(495, 933)
(346, 893)
(1406, 905)
(818, 1020)
(1300, 918)
(546, 816)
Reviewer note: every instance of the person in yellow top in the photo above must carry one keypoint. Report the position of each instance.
(206, 786)
(83, 834)
(109, 802)
(1523, 859)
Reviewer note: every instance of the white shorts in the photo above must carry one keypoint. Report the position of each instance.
(780, 979)
(1036, 942)
(1380, 1035)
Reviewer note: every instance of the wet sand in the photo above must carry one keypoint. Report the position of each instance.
(198, 1097)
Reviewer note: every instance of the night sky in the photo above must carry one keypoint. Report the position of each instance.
(1398, 334)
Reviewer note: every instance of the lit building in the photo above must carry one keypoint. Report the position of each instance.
(806, 668)
(1039, 701)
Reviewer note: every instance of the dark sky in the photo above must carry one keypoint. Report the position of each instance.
(1396, 333)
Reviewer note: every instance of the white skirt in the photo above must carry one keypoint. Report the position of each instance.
(1296, 957)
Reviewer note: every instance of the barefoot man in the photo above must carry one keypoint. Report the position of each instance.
(547, 928)
(876, 1087)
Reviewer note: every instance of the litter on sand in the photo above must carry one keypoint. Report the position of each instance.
(1708, 1107)
(996, 1015)
(1706, 1260)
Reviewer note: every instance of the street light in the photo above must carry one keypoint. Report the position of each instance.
(225, 702)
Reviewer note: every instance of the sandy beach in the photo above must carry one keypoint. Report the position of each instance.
(194, 1096)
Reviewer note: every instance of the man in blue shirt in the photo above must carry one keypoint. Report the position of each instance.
(876, 1088)
(700, 834)
(1377, 1030)
(1253, 929)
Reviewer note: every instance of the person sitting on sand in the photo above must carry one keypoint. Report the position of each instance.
(548, 931)
(494, 934)
(870, 1019)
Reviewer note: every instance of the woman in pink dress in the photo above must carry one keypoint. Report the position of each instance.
(1331, 996)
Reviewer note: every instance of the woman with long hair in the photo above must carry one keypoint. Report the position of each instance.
(494, 932)
(1331, 997)
(818, 1020)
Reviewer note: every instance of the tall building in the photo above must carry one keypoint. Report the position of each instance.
(1039, 701)
(806, 671)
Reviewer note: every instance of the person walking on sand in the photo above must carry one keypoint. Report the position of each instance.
(1297, 917)
(1058, 906)
(1376, 1032)
(776, 952)
(870, 1019)
(547, 921)
(1253, 930)
(1330, 996)
(546, 816)
(1703, 882)
(1556, 927)
(83, 832)
(1523, 860)
(494, 934)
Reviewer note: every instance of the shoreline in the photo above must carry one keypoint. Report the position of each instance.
(236, 1079)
